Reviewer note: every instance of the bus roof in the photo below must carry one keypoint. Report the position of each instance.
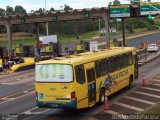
(89, 56)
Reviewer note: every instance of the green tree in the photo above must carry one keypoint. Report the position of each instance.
(2, 12)
(9, 11)
(135, 2)
(20, 10)
(66, 7)
(39, 11)
(116, 2)
(52, 9)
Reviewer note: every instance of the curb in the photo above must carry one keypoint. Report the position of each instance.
(148, 61)
(141, 35)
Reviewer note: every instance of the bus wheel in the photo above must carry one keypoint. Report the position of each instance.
(1, 69)
(130, 81)
(102, 96)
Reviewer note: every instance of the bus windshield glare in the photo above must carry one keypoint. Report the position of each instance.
(54, 73)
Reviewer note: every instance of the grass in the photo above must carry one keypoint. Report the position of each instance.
(86, 36)
(63, 38)
(15, 43)
(153, 110)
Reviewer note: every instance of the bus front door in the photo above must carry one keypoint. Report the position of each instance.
(90, 74)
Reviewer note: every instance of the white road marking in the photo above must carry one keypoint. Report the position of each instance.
(153, 89)
(143, 93)
(129, 106)
(26, 91)
(29, 112)
(155, 80)
(156, 77)
(111, 112)
(154, 84)
(116, 113)
(140, 100)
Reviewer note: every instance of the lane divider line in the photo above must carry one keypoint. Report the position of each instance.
(140, 100)
(18, 82)
(10, 99)
(129, 106)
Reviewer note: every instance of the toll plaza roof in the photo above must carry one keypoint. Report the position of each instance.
(47, 16)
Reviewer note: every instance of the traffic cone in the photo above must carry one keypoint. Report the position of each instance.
(106, 103)
(143, 80)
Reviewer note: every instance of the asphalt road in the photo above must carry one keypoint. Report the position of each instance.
(135, 42)
(17, 104)
(17, 93)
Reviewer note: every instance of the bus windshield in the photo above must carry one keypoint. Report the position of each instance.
(54, 73)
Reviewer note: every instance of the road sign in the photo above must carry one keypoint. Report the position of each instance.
(80, 47)
(19, 50)
(119, 11)
(150, 9)
(49, 48)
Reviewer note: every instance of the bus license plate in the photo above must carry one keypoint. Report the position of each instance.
(54, 105)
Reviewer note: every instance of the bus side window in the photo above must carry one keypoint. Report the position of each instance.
(80, 74)
(98, 69)
(104, 64)
(117, 62)
(111, 64)
(120, 61)
(130, 62)
(125, 63)
(90, 75)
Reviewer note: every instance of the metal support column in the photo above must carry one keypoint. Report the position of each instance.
(106, 19)
(37, 38)
(9, 34)
(124, 32)
(47, 33)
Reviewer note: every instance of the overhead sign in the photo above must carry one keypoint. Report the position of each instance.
(119, 11)
(150, 9)
(80, 47)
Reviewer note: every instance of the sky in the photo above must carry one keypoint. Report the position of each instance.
(56, 4)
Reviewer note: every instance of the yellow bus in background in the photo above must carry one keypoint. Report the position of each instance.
(82, 80)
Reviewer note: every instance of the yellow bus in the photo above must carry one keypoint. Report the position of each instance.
(82, 80)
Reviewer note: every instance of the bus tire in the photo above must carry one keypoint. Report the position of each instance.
(1, 69)
(130, 81)
(102, 96)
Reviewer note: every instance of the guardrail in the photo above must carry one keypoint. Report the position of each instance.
(142, 53)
